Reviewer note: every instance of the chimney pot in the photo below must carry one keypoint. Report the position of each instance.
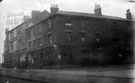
(128, 14)
(97, 10)
(54, 8)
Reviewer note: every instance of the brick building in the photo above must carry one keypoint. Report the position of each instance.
(75, 39)
(72, 38)
(15, 39)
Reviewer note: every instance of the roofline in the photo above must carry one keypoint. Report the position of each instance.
(26, 21)
(58, 13)
(19, 25)
(96, 16)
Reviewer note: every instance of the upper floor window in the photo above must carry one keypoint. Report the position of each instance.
(98, 33)
(68, 25)
(35, 44)
(11, 35)
(83, 28)
(49, 24)
(20, 43)
(29, 34)
(39, 41)
(69, 36)
(35, 32)
(12, 46)
(96, 28)
(50, 37)
(29, 44)
(39, 30)
(32, 43)
(83, 23)
(83, 35)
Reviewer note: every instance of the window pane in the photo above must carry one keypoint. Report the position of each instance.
(35, 43)
(50, 37)
(69, 36)
(39, 41)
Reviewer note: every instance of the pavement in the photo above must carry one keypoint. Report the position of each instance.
(85, 75)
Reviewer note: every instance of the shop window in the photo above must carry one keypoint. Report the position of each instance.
(22, 58)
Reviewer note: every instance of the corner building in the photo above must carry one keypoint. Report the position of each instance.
(63, 39)
(71, 39)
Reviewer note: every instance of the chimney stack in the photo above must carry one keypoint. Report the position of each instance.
(97, 10)
(6, 31)
(128, 14)
(34, 13)
(54, 8)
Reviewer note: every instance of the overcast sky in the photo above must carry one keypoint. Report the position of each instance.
(109, 7)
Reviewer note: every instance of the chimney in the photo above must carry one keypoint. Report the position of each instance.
(6, 31)
(25, 18)
(54, 8)
(34, 13)
(128, 14)
(97, 10)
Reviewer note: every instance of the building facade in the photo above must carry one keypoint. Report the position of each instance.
(70, 39)
(15, 42)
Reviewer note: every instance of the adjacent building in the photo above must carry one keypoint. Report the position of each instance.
(15, 41)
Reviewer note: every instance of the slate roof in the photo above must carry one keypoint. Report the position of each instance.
(89, 15)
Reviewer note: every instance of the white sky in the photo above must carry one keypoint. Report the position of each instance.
(109, 7)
